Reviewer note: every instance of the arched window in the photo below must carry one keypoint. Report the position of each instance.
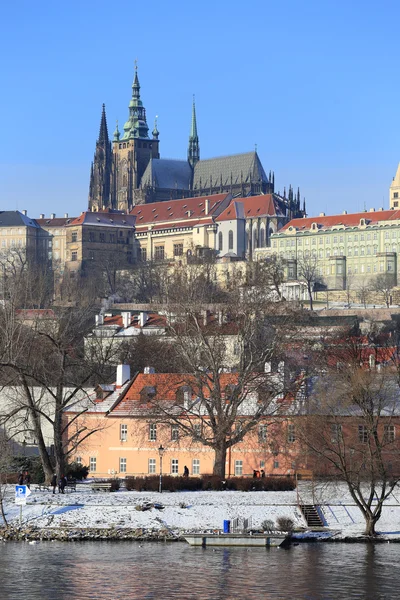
(255, 239)
(230, 239)
(220, 241)
(262, 242)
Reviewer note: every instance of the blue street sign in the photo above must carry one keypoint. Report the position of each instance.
(21, 494)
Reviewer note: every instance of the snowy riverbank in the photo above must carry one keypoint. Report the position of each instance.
(117, 513)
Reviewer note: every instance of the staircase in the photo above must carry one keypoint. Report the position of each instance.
(311, 515)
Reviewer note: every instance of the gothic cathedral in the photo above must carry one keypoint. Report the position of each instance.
(129, 170)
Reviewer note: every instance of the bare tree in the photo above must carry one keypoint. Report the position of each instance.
(348, 428)
(267, 275)
(219, 404)
(363, 291)
(383, 285)
(49, 371)
(5, 463)
(308, 271)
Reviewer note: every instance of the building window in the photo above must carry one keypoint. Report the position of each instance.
(123, 432)
(362, 434)
(238, 468)
(174, 433)
(102, 237)
(262, 433)
(262, 464)
(92, 464)
(230, 240)
(159, 253)
(143, 254)
(74, 236)
(78, 460)
(291, 435)
(396, 204)
(395, 194)
(112, 238)
(174, 466)
(152, 465)
(153, 432)
(195, 466)
(74, 256)
(122, 465)
(220, 241)
(178, 249)
(276, 464)
(262, 238)
(349, 252)
(92, 236)
(197, 430)
(336, 432)
(389, 433)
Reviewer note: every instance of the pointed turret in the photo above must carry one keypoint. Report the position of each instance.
(100, 172)
(103, 133)
(156, 133)
(116, 132)
(194, 147)
(136, 125)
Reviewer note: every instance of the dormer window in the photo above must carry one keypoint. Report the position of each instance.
(147, 394)
(362, 222)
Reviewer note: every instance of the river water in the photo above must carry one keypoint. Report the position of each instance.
(129, 570)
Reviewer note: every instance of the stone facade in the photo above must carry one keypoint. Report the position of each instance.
(355, 246)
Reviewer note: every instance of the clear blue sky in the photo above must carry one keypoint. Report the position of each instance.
(315, 84)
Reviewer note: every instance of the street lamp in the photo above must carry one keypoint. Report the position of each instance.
(161, 451)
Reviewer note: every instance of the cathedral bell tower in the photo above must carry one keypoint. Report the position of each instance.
(132, 152)
(100, 173)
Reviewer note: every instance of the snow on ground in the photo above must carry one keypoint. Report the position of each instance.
(195, 511)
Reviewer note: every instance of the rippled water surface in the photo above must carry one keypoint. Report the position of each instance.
(129, 570)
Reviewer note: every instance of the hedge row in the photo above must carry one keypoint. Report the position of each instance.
(209, 482)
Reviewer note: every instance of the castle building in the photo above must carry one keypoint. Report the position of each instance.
(394, 192)
(128, 170)
(344, 248)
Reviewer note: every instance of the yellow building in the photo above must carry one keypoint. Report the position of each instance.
(56, 227)
(168, 230)
(101, 240)
(394, 192)
(358, 245)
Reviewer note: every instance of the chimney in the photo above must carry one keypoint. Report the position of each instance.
(204, 313)
(344, 212)
(207, 206)
(380, 208)
(123, 374)
(149, 370)
(65, 215)
(99, 320)
(53, 216)
(371, 361)
(371, 210)
(126, 319)
(267, 367)
(41, 216)
(143, 318)
(321, 214)
(24, 212)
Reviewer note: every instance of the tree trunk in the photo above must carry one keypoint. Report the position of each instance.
(59, 453)
(310, 296)
(220, 460)
(370, 522)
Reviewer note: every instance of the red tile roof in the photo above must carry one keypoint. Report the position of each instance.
(153, 320)
(254, 206)
(57, 222)
(177, 210)
(349, 220)
(104, 218)
(165, 386)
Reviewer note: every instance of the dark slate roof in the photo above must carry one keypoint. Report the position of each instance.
(14, 218)
(247, 165)
(166, 173)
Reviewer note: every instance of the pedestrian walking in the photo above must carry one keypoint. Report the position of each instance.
(21, 479)
(62, 484)
(54, 483)
(185, 471)
(27, 480)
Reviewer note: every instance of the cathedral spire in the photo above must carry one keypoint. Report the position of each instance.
(100, 172)
(136, 125)
(103, 133)
(194, 147)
